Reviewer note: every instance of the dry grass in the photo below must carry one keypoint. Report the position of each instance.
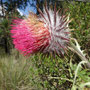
(18, 74)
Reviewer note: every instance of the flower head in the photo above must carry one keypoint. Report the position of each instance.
(46, 33)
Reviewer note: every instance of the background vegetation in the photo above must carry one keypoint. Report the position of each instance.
(38, 72)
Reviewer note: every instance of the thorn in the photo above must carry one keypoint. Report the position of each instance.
(55, 15)
(47, 12)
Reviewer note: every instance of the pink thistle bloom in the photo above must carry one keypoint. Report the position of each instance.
(46, 33)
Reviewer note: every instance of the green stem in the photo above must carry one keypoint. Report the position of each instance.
(61, 78)
(78, 51)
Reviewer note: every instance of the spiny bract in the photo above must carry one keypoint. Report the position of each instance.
(46, 33)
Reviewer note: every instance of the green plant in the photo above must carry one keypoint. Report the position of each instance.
(80, 13)
(18, 74)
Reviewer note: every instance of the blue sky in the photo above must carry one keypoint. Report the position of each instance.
(28, 8)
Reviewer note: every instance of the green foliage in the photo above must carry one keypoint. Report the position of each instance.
(60, 73)
(50, 66)
(80, 13)
(81, 77)
(5, 39)
(4, 27)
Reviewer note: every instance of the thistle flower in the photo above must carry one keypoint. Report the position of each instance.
(46, 33)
